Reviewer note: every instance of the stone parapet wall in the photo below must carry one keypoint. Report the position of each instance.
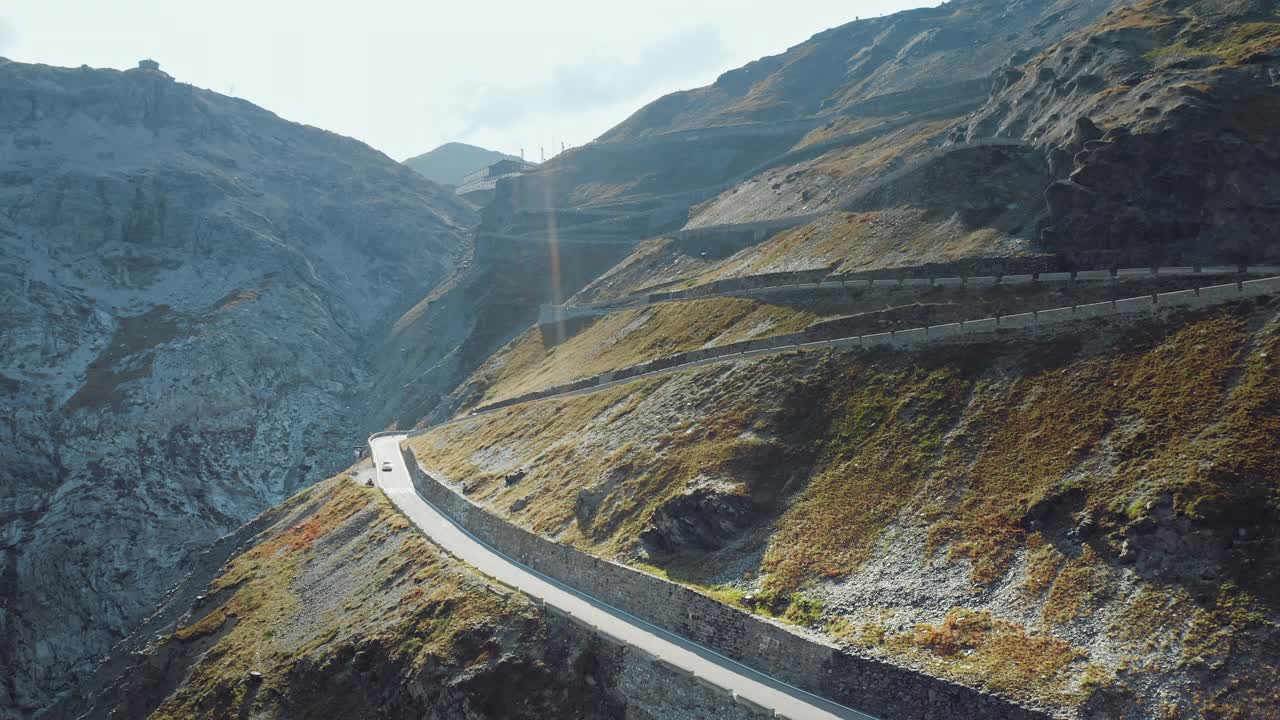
(812, 339)
(977, 272)
(765, 227)
(807, 662)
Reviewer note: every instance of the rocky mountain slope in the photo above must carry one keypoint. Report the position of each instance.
(1157, 122)
(911, 61)
(192, 287)
(451, 162)
(1084, 522)
(330, 605)
(1141, 137)
(856, 100)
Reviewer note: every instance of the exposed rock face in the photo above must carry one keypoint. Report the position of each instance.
(699, 519)
(1159, 122)
(905, 62)
(191, 286)
(1190, 192)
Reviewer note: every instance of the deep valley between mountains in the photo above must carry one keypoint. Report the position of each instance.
(207, 309)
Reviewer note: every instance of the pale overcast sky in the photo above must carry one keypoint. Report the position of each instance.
(408, 76)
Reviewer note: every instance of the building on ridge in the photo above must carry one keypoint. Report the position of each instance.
(478, 187)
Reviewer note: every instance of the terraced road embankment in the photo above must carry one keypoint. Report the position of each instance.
(979, 329)
(753, 689)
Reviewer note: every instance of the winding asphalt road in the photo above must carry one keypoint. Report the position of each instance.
(745, 683)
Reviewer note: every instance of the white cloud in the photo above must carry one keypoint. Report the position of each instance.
(594, 82)
(6, 36)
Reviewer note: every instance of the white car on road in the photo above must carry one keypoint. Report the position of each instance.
(386, 466)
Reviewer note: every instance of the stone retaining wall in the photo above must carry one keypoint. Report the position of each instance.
(759, 229)
(812, 339)
(863, 683)
(995, 271)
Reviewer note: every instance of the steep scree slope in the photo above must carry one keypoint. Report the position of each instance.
(906, 61)
(190, 285)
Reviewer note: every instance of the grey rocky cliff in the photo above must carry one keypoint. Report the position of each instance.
(906, 62)
(192, 288)
(1158, 122)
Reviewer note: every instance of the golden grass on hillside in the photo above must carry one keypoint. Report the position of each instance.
(872, 156)
(1235, 47)
(979, 648)
(540, 438)
(1143, 15)
(1043, 563)
(1174, 30)
(1149, 408)
(653, 265)
(604, 450)
(626, 480)
(1203, 638)
(411, 597)
(820, 243)
(1169, 420)
(843, 125)
(865, 240)
(888, 438)
(884, 438)
(1082, 586)
(626, 338)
